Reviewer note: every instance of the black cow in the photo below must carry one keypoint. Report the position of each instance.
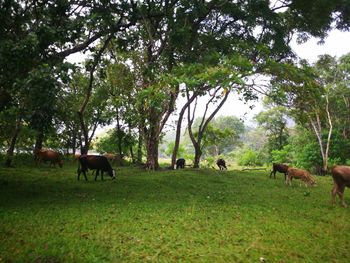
(279, 167)
(95, 162)
(180, 163)
(221, 163)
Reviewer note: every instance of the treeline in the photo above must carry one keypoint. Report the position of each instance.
(141, 56)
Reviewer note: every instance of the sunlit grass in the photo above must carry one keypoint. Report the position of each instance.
(46, 215)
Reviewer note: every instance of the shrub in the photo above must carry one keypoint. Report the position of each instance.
(282, 156)
(248, 157)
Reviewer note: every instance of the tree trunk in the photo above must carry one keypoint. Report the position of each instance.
(178, 130)
(132, 154)
(9, 154)
(216, 150)
(318, 131)
(85, 148)
(39, 142)
(152, 153)
(139, 145)
(202, 127)
(325, 163)
(74, 142)
(197, 156)
(119, 137)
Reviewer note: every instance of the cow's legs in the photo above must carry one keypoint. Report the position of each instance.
(341, 195)
(84, 173)
(289, 180)
(333, 193)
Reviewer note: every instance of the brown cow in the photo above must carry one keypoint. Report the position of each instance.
(341, 178)
(48, 155)
(299, 174)
(279, 167)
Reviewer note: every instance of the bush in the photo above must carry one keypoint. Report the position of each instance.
(282, 156)
(209, 161)
(248, 157)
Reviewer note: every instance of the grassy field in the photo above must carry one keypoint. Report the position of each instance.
(46, 215)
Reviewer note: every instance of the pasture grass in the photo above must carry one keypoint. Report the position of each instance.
(46, 215)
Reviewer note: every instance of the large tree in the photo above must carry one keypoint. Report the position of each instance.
(274, 121)
(168, 33)
(316, 94)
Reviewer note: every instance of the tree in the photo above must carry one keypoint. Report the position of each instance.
(274, 121)
(222, 135)
(312, 93)
(197, 137)
(36, 35)
(168, 33)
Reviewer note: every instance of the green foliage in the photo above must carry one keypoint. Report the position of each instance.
(208, 162)
(222, 135)
(306, 149)
(285, 155)
(274, 121)
(340, 147)
(109, 142)
(181, 152)
(106, 143)
(248, 157)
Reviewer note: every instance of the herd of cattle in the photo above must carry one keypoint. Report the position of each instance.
(99, 163)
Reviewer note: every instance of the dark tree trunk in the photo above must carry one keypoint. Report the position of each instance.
(85, 148)
(178, 130)
(74, 142)
(39, 142)
(152, 153)
(132, 154)
(10, 151)
(119, 137)
(197, 156)
(139, 145)
(203, 125)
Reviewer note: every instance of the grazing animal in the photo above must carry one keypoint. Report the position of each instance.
(48, 155)
(299, 174)
(95, 162)
(341, 178)
(221, 163)
(279, 167)
(180, 163)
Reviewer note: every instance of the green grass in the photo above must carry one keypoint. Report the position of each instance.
(46, 215)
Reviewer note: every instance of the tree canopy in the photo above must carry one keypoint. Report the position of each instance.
(139, 52)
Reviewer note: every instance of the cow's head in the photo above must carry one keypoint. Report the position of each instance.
(312, 181)
(60, 163)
